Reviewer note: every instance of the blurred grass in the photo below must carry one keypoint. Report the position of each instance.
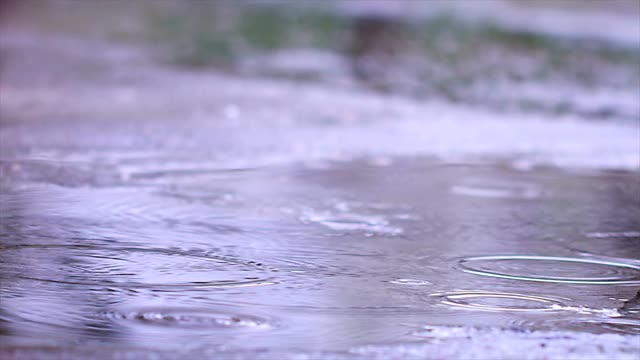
(194, 36)
(266, 30)
(437, 56)
(216, 33)
(449, 58)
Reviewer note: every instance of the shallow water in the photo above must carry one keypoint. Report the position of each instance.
(314, 257)
(152, 212)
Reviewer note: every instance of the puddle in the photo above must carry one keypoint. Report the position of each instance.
(333, 258)
(146, 213)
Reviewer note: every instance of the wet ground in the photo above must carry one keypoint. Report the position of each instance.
(331, 257)
(156, 212)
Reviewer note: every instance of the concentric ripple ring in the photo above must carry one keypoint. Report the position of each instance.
(465, 299)
(616, 272)
(131, 267)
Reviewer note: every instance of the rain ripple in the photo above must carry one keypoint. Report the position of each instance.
(500, 301)
(129, 267)
(552, 269)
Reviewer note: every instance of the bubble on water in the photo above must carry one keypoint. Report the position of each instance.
(552, 269)
(500, 301)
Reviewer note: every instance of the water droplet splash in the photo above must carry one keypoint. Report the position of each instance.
(370, 219)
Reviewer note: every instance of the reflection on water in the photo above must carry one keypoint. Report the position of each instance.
(326, 258)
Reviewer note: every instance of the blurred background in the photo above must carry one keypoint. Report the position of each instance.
(550, 57)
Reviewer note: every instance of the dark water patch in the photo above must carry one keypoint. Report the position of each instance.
(624, 326)
(56, 311)
(631, 307)
(552, 269)
(623, 245)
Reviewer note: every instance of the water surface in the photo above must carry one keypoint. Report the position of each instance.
(315, 257)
